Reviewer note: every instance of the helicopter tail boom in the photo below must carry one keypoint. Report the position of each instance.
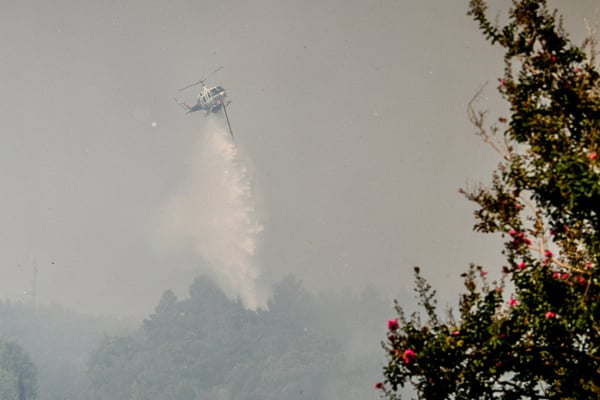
(183, 105)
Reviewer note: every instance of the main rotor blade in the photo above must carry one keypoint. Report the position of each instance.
(201, 81)
(193, 84)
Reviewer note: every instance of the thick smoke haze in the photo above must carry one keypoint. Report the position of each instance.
(214, 213)
(353, 114)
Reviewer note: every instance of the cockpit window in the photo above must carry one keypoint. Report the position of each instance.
(216, 90)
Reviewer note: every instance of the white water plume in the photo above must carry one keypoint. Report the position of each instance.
(214, 212)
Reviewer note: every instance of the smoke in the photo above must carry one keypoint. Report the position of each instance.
(214, 213)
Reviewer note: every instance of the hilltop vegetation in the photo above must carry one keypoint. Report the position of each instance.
(58, 343)
(208, 346)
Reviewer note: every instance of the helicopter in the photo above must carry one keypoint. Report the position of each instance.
(210, 100)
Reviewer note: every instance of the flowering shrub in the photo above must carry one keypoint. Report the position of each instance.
(535, 333)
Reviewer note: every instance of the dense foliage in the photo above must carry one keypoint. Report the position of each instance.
(58, 342)
(535, 333)
(208, 346)
(18, 374)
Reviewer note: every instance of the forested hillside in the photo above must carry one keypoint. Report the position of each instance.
(305, 346)
(207, 346)
(59, 343)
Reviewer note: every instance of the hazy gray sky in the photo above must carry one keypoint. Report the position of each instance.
(350, 115)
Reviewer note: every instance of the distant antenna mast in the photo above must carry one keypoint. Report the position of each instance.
(34, 284)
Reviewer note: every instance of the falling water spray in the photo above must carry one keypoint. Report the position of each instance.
(214, 213)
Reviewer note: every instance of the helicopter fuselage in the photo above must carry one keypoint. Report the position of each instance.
(210, 99)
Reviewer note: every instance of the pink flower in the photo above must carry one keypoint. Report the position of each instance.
(556, 275)
(577, 70)
(588, 265)
(548, 257)
(513, 302)
(521, 265)
(518, 206)
(564, 276)
(379, 385)
(455, 333)
(519, 237)
(550, 314)
(593, 155)
(409, 355)
(553, 59)
(502, 82)
(393, 324)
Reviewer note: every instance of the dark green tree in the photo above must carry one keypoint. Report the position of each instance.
(535, 333)
(209, 346)
(18, 375)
